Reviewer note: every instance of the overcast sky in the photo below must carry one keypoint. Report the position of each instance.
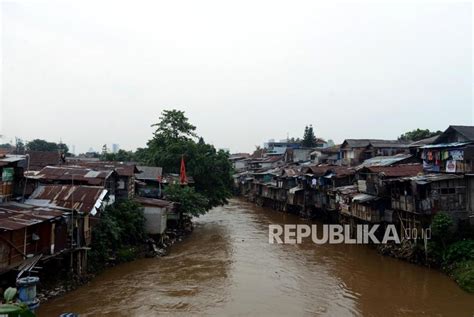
(244, 72)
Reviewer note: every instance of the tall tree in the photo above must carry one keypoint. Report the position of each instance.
(173, 125)
(309, 139)
(175, 137)
(418, 134)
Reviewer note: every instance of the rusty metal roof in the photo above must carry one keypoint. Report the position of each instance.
(322, 170)
(87, 199)
(402, 170)
(15, 216)
(71, 173)
(122, 168)
(154, 202)
(149, 173)
(427, 178)
(41, 159)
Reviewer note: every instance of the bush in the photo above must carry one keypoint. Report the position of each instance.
(464, 275)
(189, 200)
(126, 254)
(460, 251)
(121, 226)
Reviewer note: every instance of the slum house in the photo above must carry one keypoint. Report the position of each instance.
(297, 155)
(415, 200)
(355, 151)
(284, 179)
(453, 152)
(86, 201)
(156, 212)
(239, 161)
(373, 203)
(11, 170)
(416, 147)
(264, 187)
(243, 183)
(73, 175)
(339, 203)
(27, 231)
(84, 204)
(148, 181)
(318, 179)
(370, 179)
(328, 155)
(126, 171)
(37, 160)
(385, 161)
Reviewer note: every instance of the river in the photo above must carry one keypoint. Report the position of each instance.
(227, 267)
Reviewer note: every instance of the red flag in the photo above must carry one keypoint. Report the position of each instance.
(182, 172)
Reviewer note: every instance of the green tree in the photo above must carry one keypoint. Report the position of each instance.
(175, 138)
(120, 156)
(43, 145)
(121, 227)
(418, 134)
(309, 139)
(189, 200)
(173, 126)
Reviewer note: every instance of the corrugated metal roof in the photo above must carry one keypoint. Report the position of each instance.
(149, 173)
(442, 145)
(402, 170)
(374, 143)
(428, 178)
(82, 198)
(15, 216)
(384, 160)
(322, 170)
(122, 168)
(41, 159)
(72, 173)
(422, 142)
(154, 202)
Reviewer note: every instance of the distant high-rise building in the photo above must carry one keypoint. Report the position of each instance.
(115, 148)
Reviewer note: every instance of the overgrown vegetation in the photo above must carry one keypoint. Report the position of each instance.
(453, 253)
(190, 201)
(418, 134)
(118, 235)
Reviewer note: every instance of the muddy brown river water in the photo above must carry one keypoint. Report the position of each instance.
(228, 268)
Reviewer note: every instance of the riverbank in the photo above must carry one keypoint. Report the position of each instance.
(53, 285)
